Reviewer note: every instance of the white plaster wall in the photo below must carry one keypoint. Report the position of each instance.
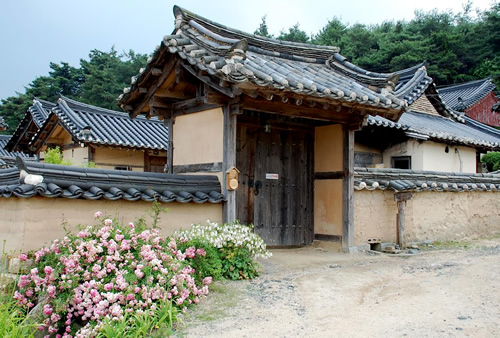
(435, 157)
(411, 148)
(430, 155)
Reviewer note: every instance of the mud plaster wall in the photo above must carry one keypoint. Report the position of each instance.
(109, 158)
(429, 216)
(198, 137)
(328, 152)
(29, 223)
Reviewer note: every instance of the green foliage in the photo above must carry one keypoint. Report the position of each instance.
(98, 81)
(160, 324)
(458, 47)
(294, 34)
(13, 320)
(106, 74)
(54, 156)
(237, 263)
(263, 30)
(492, 160)
(237, 247)
(205, 266)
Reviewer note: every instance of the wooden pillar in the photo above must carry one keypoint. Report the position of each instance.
(229, 160)
(169, 123)
(348, 189)
(401, 199)
(401, 225)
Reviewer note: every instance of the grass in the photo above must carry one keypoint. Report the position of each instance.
(458, 245)
(222, 298)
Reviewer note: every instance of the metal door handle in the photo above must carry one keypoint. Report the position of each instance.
(258, 185)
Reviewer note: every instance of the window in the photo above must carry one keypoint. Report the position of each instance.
(123, 167)
(401, 162)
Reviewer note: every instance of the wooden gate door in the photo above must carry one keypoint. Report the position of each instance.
(276, 183)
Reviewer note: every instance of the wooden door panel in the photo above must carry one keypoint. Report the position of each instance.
(281, 209)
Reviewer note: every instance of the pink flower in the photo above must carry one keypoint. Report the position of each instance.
(201, 252)
(207, 280)
(98, 214)
(139, 273)
(108, 287)
(47, 309)
(131, 224)
(48, 270)
(108, 222)
(51, 290)
(23, 257)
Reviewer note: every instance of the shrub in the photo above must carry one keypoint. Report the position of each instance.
(110, 274)
(237, 246)
(492, 160)
(54, 156)
(208, 265)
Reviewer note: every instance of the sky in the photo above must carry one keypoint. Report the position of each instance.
(34, 33)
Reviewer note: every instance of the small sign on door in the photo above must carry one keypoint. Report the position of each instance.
(272, 177)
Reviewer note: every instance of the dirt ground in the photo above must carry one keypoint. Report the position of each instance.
(308, 292)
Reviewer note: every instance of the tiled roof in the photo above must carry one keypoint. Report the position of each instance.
(414, 180)
(40, 110)
(252, 61)
(7, 156)
(412, 83)
(462, 96)
(426, 126)
(49, 180)
(35, 117)
(94, 125)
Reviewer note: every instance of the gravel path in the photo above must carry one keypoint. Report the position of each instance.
(315, 293)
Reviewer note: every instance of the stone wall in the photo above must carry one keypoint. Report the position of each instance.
(429, 215)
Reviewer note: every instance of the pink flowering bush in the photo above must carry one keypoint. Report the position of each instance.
(230, 249)
(109, 273)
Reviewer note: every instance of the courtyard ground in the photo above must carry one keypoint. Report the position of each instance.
(442, 292)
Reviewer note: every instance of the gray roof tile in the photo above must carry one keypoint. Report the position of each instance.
(107, 127)
(426, 126)
(414, 180)
(237, 57)
(462, 96)
(91, 183)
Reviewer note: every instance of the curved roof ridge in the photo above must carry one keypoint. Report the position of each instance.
(103, 111)
(182, 14)
(468, 84)
(415, 86)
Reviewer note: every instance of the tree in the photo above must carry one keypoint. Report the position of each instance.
(98, 81)
(295, 34)
(106, 74)
(263, 30)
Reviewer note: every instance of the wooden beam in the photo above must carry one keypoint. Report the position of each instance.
(229, 210)
(198, 167)
(154, 87)
(207, 80)
(189, 103)
(329, 175)
(213, 97)
(169, 123)
(348, 190)
(156, 71)
(292, 110)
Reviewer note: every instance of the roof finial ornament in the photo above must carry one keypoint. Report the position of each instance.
(238, 50)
